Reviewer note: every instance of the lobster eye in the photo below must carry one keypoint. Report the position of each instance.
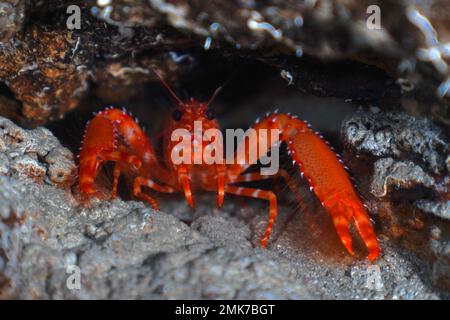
(210, 114)
(177, 114)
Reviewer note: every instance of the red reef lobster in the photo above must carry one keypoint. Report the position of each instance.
(113, 135)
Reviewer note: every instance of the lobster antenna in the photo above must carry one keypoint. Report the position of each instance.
(214, 95)
(219, 89)
(168, 88)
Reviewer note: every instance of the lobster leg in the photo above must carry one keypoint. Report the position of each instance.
(221, 175)
(234, 175)
(91, 160)
(122, 160)
(183, 179)
(256, 176)
(116, 175)
(141, 181)
(259, 194)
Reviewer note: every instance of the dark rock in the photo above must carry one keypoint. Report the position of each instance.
(409, 173)
(439, 209)
(390, 174)
(50, 68)
(407, 34)
(35, 69)
(411, 157)
(440, 246)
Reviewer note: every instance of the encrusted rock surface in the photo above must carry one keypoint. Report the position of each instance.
(39, 70)
(34, 154)
(12, 14)
(399, 135)
(125, 250)
(389, 174)
(410, 154)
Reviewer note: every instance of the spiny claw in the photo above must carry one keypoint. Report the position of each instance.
(342, 224)
(365, 230)
(373, 254)
(343, 212)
